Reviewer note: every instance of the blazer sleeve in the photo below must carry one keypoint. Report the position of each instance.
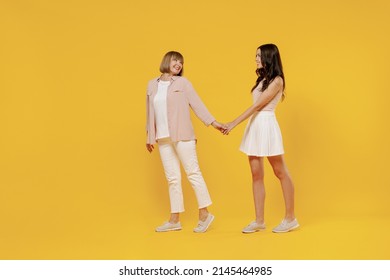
(147, 109)
(197, 105)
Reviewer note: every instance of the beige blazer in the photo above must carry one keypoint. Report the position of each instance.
(181, 96)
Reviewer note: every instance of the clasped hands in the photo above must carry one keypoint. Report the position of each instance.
(223, 128)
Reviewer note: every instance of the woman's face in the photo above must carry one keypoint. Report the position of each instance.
(258, 59)
(175, 66)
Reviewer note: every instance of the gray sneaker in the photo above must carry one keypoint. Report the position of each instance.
(253, 227)
(203, 226)
(167, 226)
(285, 226)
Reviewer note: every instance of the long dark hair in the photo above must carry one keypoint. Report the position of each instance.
(272, 67)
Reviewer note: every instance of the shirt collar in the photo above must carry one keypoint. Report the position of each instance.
(173, 78)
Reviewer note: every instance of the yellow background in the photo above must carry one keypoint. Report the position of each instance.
(76, 181)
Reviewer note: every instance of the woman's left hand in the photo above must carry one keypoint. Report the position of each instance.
(229, 127)
(221, 127)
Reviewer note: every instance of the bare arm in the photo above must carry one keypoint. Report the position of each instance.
(273, 88)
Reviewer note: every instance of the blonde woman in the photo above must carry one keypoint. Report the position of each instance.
(169, 99)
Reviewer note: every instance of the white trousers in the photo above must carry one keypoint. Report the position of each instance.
(172, 153)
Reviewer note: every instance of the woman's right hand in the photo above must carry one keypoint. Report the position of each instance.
(219, 126)
(149, 147)
(229, 127)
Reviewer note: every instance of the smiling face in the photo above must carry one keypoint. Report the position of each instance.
(258, 59)
(175, 66)
(172, 64)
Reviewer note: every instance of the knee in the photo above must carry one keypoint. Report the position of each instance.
(194, 174)
(192, 170)
(257, 176)
(280, 173)
(173, 180)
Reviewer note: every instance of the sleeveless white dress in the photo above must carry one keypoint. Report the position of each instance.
(262, 136)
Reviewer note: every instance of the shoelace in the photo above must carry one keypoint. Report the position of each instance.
(199, 225)
(282, 224)
(285, 223)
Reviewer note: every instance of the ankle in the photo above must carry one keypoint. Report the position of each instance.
(289, 218)
(203, 214)
(203, 217)
(260, 221)
(174, 218)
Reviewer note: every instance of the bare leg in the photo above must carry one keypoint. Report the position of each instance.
(203, 213)
(174, 218)
(257, 169)
(280, 170)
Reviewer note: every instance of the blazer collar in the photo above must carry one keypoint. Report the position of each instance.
(173, 78)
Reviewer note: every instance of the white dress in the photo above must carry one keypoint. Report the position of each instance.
(262, 136)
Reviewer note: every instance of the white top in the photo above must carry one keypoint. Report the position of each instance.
(160, 110)
(271, 104)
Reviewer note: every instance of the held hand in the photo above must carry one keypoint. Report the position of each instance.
(229, 127)
(149, 147)
(221, 127)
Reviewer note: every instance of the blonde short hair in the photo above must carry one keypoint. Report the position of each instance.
(164, 66)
